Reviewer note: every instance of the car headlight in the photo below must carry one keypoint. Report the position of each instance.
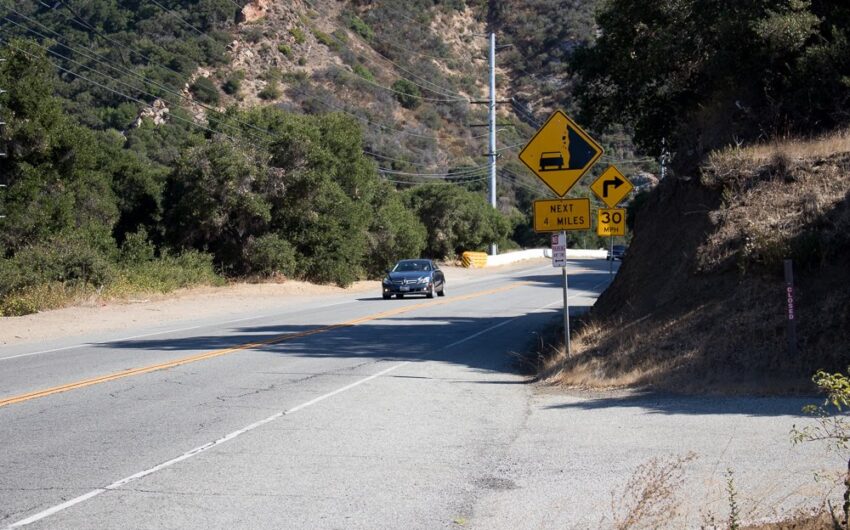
(425, 279)
(387, 281)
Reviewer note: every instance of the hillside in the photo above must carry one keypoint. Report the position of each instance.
(700, 301)
(250, 137)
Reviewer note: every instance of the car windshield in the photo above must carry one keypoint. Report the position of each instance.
(409, 266)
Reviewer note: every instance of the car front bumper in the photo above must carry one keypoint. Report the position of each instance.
(411, 288)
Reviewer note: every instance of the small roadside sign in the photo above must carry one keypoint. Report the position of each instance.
(612, 187)
(559, 258)
(559, 249)
(554, 215)
(560, 153)
(611, 222)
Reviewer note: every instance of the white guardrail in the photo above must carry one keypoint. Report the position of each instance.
(534, 253)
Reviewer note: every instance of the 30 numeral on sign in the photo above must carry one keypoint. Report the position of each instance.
(611, 222)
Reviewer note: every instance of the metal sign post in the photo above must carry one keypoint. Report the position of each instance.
(566, 303)
(611, 258)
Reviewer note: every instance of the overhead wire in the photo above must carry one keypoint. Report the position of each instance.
(119, 81)
(123, 70)
(131, 98)
(103, 60)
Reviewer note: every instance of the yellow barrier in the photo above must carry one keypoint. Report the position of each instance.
(474, 259)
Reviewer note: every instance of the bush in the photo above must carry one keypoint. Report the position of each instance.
(285, 49)
(205, 91)
(253, 35)
(326, 39)
(270, 91)
(298, 35)
(233, 83)
(361, 28)
(169, 272)
(457, 219)
(407, 93)
(363, 72)
(268, 255)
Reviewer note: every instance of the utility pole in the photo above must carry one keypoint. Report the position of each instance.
(494, 249)
(3, 153)
(663, 158)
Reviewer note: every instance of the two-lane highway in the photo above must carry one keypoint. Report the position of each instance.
(349, 411)
(353, 412)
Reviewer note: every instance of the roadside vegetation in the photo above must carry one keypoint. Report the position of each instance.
(157, 207)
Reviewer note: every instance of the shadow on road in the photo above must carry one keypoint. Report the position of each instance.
(664, 403)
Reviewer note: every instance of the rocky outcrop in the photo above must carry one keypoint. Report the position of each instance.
(157, 111)
(254, 11)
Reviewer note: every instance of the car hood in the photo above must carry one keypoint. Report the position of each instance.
(411, 275)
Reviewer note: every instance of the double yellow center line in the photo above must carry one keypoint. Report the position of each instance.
(247, 346)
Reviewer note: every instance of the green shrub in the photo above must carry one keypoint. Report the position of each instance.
(268, 255)
(17, 305)
(363, 72)
(137, 248)
(253, 35)
(205, 91)
(326, 39)
(298, 35)
(169, 272)
(361, 28)
(270, 91)
(285, 49)
(407, 93)
(302, 61)
(232, 85)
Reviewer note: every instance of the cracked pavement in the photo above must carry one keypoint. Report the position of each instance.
(416, 420)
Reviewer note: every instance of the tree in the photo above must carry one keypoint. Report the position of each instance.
(407, 93)
(703, 74)
(214, 201)
(456, 219)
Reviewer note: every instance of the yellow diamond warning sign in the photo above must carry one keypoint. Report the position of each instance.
(560, 153)
(554, 215)
(612, 187)
(611, 222)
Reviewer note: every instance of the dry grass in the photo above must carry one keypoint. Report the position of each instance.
(651, 497)
(736, 162)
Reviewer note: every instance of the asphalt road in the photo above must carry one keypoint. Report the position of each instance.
(355, 412)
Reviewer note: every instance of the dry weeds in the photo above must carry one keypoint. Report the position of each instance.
(651, 497)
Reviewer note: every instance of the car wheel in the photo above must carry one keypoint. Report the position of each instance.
(430, 292)
(399, 296)
(386, 296)
(442, 291)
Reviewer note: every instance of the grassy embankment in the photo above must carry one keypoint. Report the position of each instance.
(700, 304)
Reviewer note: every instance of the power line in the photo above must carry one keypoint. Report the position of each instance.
(131, 98)
(122, 69)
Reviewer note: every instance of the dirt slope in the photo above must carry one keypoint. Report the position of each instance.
(700, 302)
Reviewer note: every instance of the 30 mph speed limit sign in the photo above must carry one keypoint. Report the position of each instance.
(611, 222)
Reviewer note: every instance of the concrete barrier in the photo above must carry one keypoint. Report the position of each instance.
(474, 260)
(513, 257)
(479, 260)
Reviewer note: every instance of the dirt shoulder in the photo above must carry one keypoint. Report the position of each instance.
(192, 304)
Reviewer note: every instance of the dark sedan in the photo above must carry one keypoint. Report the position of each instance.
(617, 252)
(414, 276)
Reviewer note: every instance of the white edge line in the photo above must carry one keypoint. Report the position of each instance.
(206, 447)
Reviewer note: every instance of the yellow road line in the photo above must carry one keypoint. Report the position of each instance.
(217, 353)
